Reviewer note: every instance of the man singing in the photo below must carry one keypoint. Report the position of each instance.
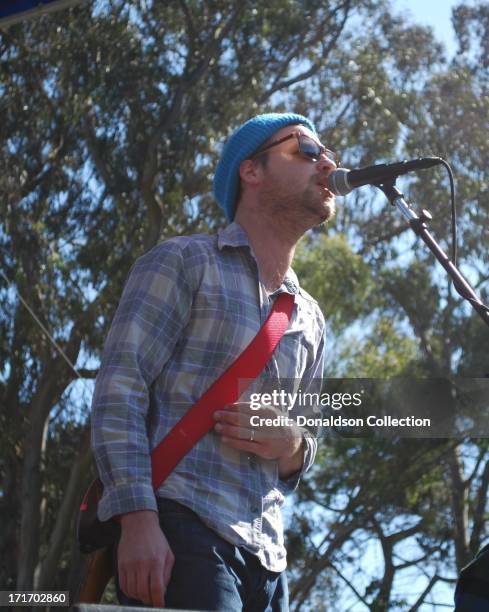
(211, 536)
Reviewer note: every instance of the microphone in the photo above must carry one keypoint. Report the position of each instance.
(342, 180)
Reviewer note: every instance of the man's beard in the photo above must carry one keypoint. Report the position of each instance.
(315, 201)
(312, 204)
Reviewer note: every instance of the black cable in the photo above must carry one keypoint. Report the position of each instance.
(477, 304)
(454, 211)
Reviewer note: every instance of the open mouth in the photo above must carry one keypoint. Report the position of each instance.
(324, 187)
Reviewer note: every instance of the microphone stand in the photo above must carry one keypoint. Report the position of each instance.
(419, 227)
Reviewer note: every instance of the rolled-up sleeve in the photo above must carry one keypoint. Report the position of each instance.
(154, 309)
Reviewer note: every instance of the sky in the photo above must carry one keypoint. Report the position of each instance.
(436, 13)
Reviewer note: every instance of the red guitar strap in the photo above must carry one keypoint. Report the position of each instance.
(225, 390)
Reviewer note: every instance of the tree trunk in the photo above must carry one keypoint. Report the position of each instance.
(74, 490)
(50, 387)
(460, 510)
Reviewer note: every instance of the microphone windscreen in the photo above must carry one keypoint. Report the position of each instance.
(338, 182)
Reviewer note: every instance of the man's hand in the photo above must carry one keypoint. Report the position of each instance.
(281, 441)
(145, 559)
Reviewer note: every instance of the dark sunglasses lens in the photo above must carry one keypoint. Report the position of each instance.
(310, 148)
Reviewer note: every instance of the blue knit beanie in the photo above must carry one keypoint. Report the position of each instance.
(242, 143)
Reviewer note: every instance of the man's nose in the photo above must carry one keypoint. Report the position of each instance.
(325, 164)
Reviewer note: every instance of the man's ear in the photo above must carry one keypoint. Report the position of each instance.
(250, 172)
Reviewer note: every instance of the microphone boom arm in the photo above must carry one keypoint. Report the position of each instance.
(419, 227)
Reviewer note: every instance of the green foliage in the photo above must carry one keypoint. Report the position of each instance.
(337, 277)
(383, 353)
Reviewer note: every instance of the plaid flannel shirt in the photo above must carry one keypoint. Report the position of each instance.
(189, 308)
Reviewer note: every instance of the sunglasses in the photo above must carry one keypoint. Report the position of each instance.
(308, 148)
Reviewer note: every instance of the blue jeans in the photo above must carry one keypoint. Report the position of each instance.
(210, 573)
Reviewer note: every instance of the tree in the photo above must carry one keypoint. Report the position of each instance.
(413, 324)
(111, 116)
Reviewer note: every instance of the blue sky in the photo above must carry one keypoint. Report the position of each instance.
(436, 13)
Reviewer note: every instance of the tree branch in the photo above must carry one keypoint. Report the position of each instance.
(315, 566)
(479, 520)
(189, 79)
(421, 598)
(315, 66)
(94, 148)
(86, 373)
(394, 538)
(397, 231)
(192, 31)
(345, 579)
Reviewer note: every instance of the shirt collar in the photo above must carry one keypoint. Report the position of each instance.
(291, 281)
(233, 235)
